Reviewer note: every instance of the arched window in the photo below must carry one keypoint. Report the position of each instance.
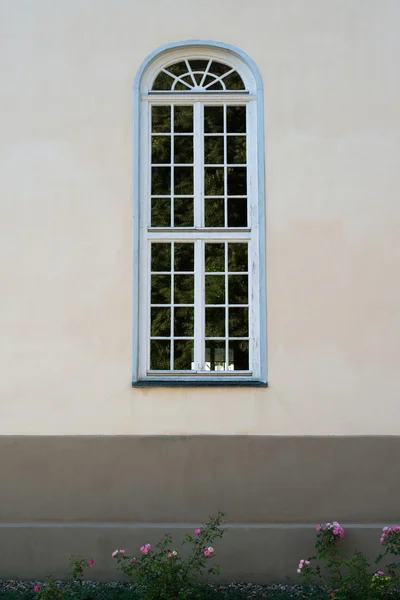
(199, 228)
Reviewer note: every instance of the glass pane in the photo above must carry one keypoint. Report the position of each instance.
(183, 321)
(215, 322)
(237, 212)
(184, 289)
(213, 119)
(183, 149)
(160, 149)
(208, 79)
(183, 119)
(213, 150)
(161, 289)
(218, 68)
(233, 81)
(198, 65)
(237, 181)
(214, 212)
(216, 86)
(160, 352)
(184, 257)
(161, 119)
(160, 181)
(177, 69)
(215, 257)
(181, 87)
(236, 119)
(162, 82)
(215, 289)
(238, 322)
(160, 257)
(215, 356)
(237, 257)
(160, 322)
(183, 212)
(214, 181)
(160, 212)
(183, 355)
(238, 291)
(183, 180)
(236, 149)
(239, 356)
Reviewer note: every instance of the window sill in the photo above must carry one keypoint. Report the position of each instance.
(198, 383)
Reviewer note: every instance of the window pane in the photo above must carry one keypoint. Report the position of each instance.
(160, 149)
(161, 257)
(217, 85)
(214, 181)
(183, 212)
(213, 119)
(163, 81)
(218, 68)
(215, 257)
(215, 322)
(214, 212)
(183, 180)
(160, 181)
(233, 81)
(237, 212)
(215, 289)
(160, 212)
(214, 150)
(238, 292)
(161, 119)
(236, 119)
(237, 181)
(183, 355)
(236, 149)
(237, 257)
(184, 289)
(177, 69)
(215, 356)
(161, 289)
(183, 149)
(160, 352)
(239, 356)
(183, 321)
(183, 119)
(184, 257)
(238, 322)
(160, 322)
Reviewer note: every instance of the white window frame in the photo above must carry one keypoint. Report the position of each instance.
(254, 234)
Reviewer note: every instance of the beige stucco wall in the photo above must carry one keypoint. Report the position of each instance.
(332, 89)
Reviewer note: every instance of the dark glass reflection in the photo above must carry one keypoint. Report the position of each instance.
(213, 119)
(215, 355)
(183, 289)
(160, 353)
(237, 181)
(183, 355)
(238, 292)
(183, 321)
(218, 68)
(215, 257)
(160, 181)
(161, 289)
(237, 212)
(215, 289)
(184, 257)
(160, 322)
(160, 212)
(214, 212)
(215, 322)
(183, 149)
(237, 257)
(214, 181)
(163, 81)
(233, 81)
(161, 119)
(213, 150)
(183, 180)
(183, 212)
(160, 149)
(238, 322)
(177, 69)
(183, 119)
(239, 355)
(236, 149)
(161, 257)
(236, 119)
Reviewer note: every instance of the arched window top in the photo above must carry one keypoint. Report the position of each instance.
(198, 67)
(198, 75)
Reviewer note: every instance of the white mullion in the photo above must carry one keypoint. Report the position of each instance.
(171, 364)
(198, 142)
(226, 309)
(199, 305)
(225, 170)
(172, 202)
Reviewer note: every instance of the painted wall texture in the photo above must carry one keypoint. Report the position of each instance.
(332, 90)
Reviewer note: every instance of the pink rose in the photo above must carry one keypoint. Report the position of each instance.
(132, 560)
(115, 553)
(36, 588)
(318, 527)
(169, 554)
(122, 551)
(197, 531)
(91, 562)
(379, 573)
